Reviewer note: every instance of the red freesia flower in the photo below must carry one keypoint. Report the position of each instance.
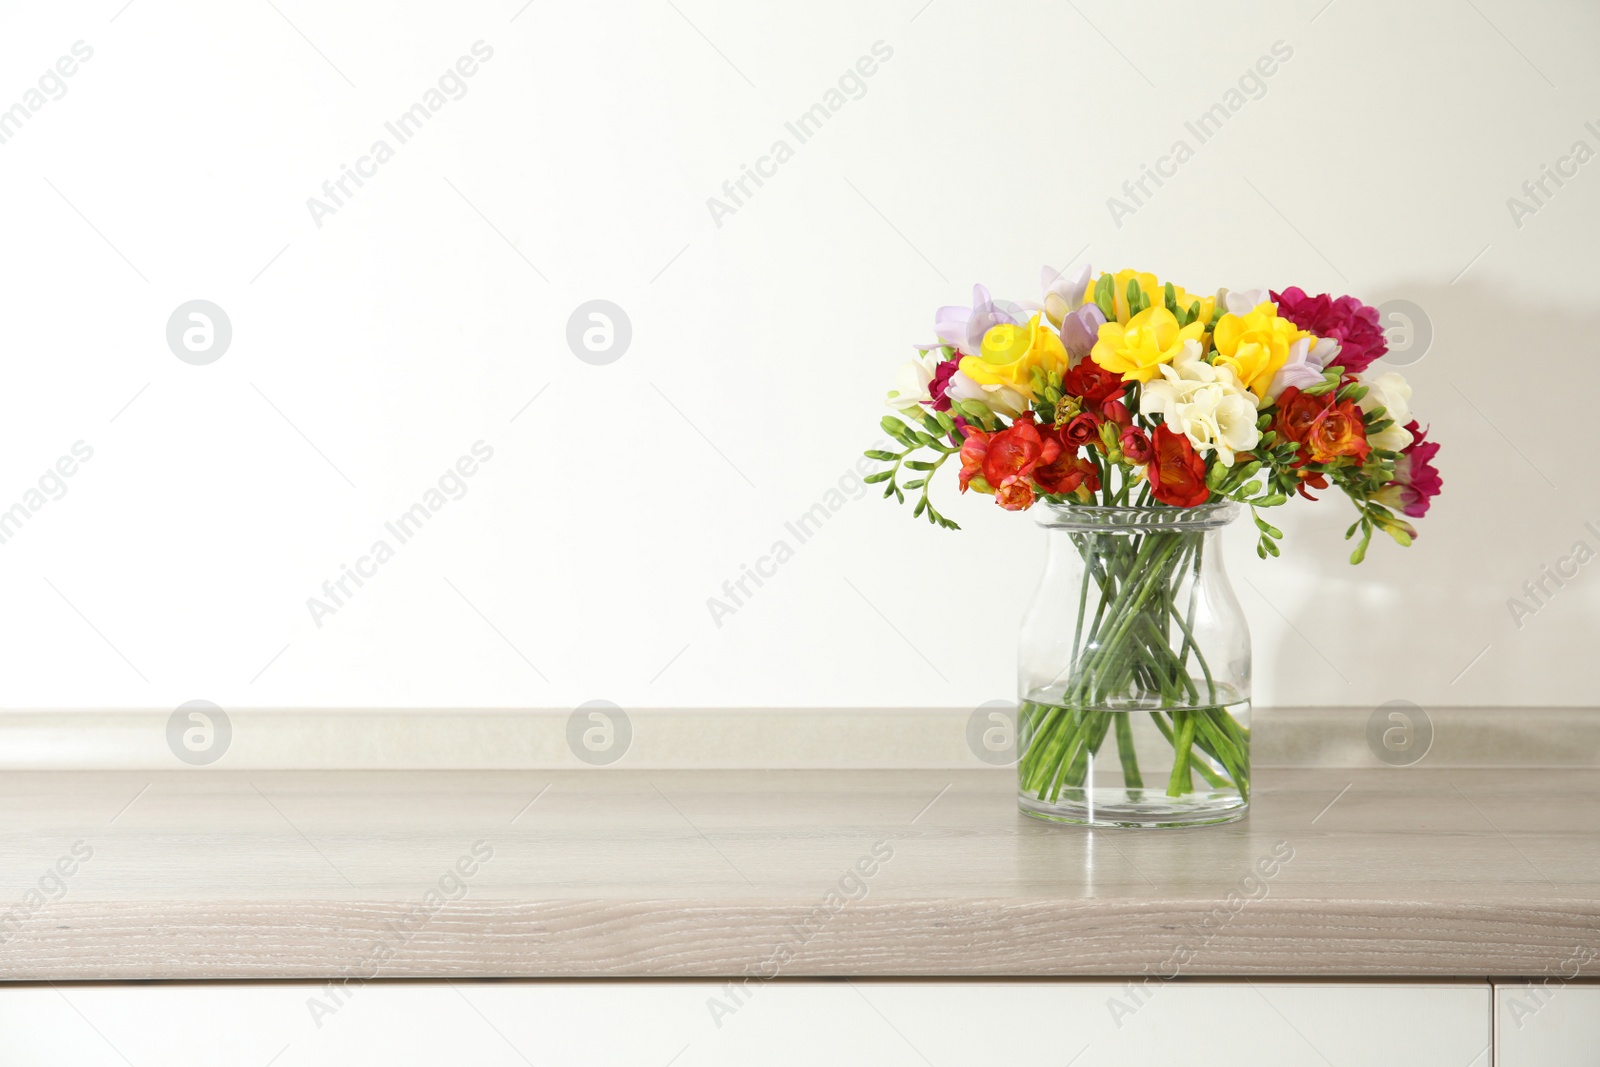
(1092, 382)
(1018, 496)
(973, 451)
(1067, 473)
(1323, 429)
(1297, 412)
(1014, 452)
(1338, 431)
(1310, 480)
(1081, 430)
(1353, 324)
(1116, 411)
(1177, 473)
(1135, 445)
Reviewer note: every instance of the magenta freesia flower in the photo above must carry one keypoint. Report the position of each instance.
(1347, 320)
(1416, 479)
(937, 389)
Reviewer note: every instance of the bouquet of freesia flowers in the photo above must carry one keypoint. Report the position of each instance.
(1120, 392)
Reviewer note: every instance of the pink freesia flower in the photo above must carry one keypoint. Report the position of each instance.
(1347, 320)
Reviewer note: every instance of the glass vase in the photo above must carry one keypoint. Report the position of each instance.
(1134, 671)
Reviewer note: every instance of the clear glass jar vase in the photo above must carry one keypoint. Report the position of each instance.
(1134, 671)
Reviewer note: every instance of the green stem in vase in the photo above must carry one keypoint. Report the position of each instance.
(1215, 780)
(1131, 778)
(1183, 746)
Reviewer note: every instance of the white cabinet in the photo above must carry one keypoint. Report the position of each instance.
(1547, 1023)
(886, 1023)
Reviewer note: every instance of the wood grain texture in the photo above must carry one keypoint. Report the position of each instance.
(1408, 872)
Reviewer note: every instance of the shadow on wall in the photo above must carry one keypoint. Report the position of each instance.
(1505, 385)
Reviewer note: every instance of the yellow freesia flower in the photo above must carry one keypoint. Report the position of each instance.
(1154, 291)
(1009, 354)
(1137, 351)
(1255, 346)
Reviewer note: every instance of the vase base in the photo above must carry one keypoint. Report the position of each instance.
(1137, 808)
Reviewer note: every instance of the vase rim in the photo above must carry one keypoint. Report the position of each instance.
(1161, 516)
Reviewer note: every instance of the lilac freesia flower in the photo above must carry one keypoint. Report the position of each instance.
(1063, 292)
(1305, 365)
(1081, 329)
(962, 328)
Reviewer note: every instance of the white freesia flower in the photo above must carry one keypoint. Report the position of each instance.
(1241, 302)
(1063, 292)
(1305, 365)
(911, 381)
(1392, 393)
(1001, 399)
(1205, 403)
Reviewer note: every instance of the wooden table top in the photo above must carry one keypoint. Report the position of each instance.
(324, 874)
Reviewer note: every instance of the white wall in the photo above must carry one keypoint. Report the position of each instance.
(425, 314)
